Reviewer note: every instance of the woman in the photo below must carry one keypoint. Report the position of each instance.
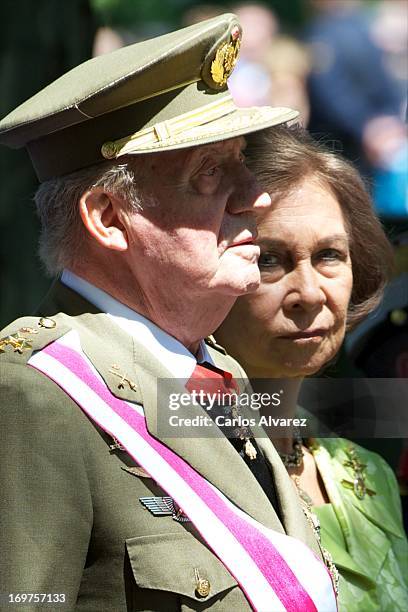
(324, 262)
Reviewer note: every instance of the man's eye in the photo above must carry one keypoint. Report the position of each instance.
(268, 260)
(211, 171)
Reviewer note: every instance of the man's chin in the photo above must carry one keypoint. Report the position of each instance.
(237, 285)
(251, 286)
(237, 273)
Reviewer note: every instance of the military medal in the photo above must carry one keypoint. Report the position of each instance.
(249, 449)
(164, 506)
(244, 434)
(158, 506)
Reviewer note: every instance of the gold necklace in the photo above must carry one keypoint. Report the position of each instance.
(295, 458)
(306, 504)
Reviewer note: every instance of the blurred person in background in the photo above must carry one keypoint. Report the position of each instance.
(324, 263)
(355, 97)
(200, 12)
(273, 67)
(288, 64)
(357, 91)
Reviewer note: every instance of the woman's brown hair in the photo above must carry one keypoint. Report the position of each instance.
(282, 157)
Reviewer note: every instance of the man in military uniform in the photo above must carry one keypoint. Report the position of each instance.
(147, 212)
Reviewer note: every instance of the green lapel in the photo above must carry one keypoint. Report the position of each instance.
(333, 540)
(330, 458)
(360, 520)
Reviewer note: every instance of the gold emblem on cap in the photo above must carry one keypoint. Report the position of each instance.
(226, 58)
(203, 586)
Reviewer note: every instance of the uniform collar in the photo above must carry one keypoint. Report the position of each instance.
(176, 358)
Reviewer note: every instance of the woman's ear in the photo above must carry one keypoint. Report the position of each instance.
(99, 212)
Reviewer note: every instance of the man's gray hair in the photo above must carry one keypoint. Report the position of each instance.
(63, 233)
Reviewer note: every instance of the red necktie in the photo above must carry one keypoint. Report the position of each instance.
(212, 381)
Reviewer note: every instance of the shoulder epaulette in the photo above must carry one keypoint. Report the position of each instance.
(19, 339)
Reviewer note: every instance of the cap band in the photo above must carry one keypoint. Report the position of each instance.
(164, 130)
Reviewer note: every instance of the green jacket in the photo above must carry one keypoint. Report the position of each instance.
(365, 536)
(71, 518)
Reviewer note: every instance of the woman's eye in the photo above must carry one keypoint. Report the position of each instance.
(330, 255)
(268, 260)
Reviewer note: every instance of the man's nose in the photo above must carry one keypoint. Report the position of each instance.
(263, 201)
(248, 195)
(305, 292)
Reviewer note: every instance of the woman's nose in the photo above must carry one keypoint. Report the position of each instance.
(306, 292)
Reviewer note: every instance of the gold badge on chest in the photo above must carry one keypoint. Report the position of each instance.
(115, 370)
(357, 485)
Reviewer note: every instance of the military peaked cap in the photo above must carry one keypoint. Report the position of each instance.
(165, 93)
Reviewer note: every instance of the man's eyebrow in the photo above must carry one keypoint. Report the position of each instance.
(224, 145)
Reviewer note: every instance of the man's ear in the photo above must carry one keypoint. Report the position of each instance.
(99, 212)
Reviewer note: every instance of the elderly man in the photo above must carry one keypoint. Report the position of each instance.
(147, 211)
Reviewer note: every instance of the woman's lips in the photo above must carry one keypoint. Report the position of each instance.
(316, 334)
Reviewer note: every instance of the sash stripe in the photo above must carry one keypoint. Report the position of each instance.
(262, 567)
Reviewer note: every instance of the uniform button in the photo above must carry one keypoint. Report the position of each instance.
(203, 586)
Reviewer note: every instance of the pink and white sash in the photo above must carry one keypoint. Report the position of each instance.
(275, 571)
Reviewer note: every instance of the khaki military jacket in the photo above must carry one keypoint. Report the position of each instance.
(71, 518)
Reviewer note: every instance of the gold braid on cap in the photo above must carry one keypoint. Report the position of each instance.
(165, 130)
